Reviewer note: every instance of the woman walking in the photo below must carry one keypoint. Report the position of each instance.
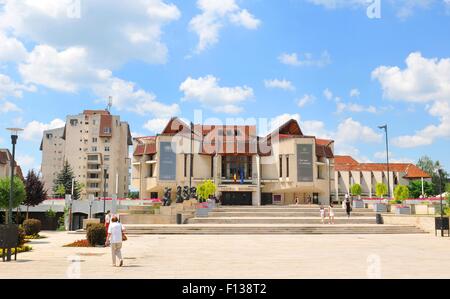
(322, 214)
(116, 236)
(330, 214)
(348, 207)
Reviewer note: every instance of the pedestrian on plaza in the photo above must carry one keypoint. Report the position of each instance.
(107, 220)
(330, 214)
(322, 214)
(297, 202)
(348, 207)
(116, 235)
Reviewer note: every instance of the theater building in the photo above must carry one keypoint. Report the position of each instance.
(368, 175)
(279, 168)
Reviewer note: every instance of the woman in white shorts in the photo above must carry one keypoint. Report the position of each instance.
(330, 214)
(322, 214)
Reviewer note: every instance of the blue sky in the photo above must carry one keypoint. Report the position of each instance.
(323, 62)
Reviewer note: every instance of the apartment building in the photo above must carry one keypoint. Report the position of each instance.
(368, 175)
(96, 145)
(280, 168)
(5, 165)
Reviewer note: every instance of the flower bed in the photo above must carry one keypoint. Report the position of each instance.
(35, 237)
(20, 249)
(79, 243)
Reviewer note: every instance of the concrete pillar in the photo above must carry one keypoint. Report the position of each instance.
(114, 204)
(257, 200)
(68, 201)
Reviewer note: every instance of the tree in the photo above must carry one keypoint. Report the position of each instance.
(206, 189)
(34, 189)
(381, 190)
(133, 194)
(356, 189)
(429, 166)
(401, 193)
(415, 188)
(64, 179)
(18, 192)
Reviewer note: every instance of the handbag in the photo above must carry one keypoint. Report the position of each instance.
(124, 237)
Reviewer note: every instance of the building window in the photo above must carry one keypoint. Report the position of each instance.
(106, 148)
(281, 166)
(287, 166)
(74, 122)
(94, 149)
(106, 157)
(106, 140)
(50, 136)
(94, 140)
(185, 165)
(107, 130)
(212, 166)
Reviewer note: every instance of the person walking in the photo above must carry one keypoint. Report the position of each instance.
(116, 235)
(322, 214)
(107, 220)
(348, 207)
(330, 214)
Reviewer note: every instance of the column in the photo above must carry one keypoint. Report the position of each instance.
(257, 200)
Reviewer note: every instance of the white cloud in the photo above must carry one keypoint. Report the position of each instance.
(207, 91)
(69, 71)
(354, 93)
(355, 108)
(156, 125)
(33, 130)
(403, 8)
(112, 31)
(282, 84)
(9, 107)
(305, 100)
(315, 128)
(10, 88)
(425, 81)
(307, 60)
(351, 131)
(381, 157)
(328, 94)
(11, 49)
(214, 16)
(333, 4)
(26, 162)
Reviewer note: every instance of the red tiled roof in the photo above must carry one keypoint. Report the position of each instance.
(105, 123)
(150, 149)
(324, 151)
(347, 163)
(139, 151)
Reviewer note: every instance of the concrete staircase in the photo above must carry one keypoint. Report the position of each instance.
(269, 220)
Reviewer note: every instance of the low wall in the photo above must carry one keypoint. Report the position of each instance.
(424, 222)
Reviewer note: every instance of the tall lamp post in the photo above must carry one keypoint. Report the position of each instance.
(14, 136)
(385, 128)
(439, 172)
(105, 174)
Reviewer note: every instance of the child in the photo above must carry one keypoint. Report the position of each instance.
(322, 214)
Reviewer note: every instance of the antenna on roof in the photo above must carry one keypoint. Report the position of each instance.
(109, 104)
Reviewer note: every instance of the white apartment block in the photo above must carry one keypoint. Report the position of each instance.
(96, 145)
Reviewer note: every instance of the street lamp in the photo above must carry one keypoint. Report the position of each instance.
(439, 172)
(105, 174)
(385, 128)
(14, 136)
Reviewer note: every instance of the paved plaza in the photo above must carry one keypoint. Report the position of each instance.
(240, 256)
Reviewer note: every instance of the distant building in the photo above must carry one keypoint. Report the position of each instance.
(5, 165)
(368, 175)
(278, 168)
(92, 142)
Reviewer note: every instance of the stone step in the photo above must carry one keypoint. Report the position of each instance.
(285, 214)
(278, 220)
(283, 210)
(268, 230)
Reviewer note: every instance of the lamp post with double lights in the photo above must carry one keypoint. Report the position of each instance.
(385, 128)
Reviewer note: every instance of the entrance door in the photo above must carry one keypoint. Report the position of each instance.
(237, 198)
(266, 199)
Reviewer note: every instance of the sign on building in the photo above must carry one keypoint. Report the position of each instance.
(168, 166)
(305, 163)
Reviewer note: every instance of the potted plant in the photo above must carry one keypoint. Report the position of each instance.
(401, 193)
(357, 190)
(204, 192)
(381, 191)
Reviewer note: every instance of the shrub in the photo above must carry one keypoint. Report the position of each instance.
(401, 193)
(381, 190)
(96, 234)
(32, 227)
(21, 236)
(356, 189)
